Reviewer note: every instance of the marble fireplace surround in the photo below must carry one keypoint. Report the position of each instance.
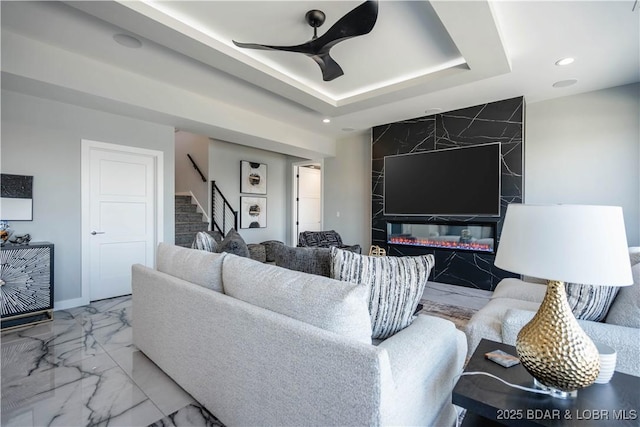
(500, 121)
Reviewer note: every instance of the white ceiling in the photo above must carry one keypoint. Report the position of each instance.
(420, 56)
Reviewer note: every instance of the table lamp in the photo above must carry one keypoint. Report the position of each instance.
(562, 243)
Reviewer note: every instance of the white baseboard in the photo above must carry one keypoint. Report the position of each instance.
(69, 303)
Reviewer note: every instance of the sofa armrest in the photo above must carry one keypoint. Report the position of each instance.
(625, 340)
(425, 358)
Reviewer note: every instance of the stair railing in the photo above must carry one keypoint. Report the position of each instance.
(223, 217)
(195, 166)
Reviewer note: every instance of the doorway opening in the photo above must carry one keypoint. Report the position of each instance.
(307, 198)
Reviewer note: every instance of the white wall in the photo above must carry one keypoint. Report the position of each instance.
(224, 168)
(42, 138)
(585, 149)
(187, 178)
(347, 190)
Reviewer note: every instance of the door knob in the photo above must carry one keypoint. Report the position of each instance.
(93, 233)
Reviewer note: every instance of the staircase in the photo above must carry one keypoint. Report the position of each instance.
(188, 221)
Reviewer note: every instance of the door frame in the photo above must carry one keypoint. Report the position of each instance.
(86, 147)
(294, 195)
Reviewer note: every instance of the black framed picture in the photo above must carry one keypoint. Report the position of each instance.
(253, 212)
(253, 177)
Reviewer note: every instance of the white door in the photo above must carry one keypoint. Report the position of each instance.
(309, 199)
(120, 215)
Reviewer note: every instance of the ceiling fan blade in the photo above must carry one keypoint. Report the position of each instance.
(301, 48)
(330, 68)
(358, 22)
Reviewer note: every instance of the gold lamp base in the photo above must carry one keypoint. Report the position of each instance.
(554, 349)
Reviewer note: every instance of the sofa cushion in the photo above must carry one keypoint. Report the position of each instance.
(625, 310)
(257, 252)
(233, 243)
(204, 242)
(308, 260)
(488, 322)
(396, 285)
(520, 289)
(329, 304)
(199, 267)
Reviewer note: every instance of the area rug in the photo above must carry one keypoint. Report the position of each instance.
(458, 315)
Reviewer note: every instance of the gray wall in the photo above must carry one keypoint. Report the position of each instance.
(585, 149)
(347, 189)
(224, 168)
(42, 138)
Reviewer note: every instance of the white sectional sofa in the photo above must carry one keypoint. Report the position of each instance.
(515, 302)
(257, 344)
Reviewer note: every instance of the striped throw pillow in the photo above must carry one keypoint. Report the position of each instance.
(590, 302)
(395, 285)
(204, 242)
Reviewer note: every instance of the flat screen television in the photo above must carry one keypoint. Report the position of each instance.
(461, 181)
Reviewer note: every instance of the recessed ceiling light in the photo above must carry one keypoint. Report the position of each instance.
(348, 129)
(565, 83)
(127, 41)
(326, 120)
(564, 61)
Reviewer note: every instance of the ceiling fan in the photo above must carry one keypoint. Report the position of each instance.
(358, 22)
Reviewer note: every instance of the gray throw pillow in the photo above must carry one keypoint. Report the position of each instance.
(308, 260)
(233, 243)
(396, 285)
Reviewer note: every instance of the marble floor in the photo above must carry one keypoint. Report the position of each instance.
(82, 369)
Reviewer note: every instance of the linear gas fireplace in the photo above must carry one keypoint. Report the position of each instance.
(458, 236)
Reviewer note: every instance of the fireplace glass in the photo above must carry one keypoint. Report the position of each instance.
(476, 237)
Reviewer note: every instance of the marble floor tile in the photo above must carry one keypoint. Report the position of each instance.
(190, 416)
(162, 390)
(111, 329)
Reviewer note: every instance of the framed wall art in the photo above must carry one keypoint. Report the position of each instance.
(253, 177)
(17, 197)
(253, 212)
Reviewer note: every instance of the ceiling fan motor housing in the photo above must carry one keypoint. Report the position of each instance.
(315, 18)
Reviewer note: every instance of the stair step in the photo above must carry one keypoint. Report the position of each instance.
(188, 217)
(191, 227)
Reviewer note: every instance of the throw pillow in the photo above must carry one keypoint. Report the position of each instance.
(198, 267)
(308, 260)
(395, 285)
(204, 242)
(590, 302)
(233, 243)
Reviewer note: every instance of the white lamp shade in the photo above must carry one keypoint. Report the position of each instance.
(570, 243)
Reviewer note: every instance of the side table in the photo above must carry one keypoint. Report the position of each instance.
(490, 402)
